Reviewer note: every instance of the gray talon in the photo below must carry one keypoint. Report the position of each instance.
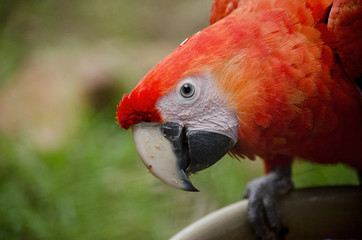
(262, 194)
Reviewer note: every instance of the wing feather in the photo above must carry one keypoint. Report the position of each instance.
(345, 21)
(222, 8)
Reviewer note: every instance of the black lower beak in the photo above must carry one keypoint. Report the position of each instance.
(206, 148)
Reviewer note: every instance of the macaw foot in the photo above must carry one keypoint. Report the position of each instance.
(262, 194)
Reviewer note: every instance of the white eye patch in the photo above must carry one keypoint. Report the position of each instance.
(197, 104)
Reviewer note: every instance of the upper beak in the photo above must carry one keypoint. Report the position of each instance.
(171, 152)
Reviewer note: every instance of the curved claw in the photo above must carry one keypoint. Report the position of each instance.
(262, 194)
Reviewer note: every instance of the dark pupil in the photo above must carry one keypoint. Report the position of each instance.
(187, 89)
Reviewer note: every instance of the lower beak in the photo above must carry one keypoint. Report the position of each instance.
(171, 152)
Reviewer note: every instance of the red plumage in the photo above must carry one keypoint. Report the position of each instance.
(287, 75)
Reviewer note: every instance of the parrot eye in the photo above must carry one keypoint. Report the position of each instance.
(187, 90)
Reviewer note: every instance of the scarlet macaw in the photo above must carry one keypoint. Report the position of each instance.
(268, 78)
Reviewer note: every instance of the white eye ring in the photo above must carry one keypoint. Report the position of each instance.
(187, 90)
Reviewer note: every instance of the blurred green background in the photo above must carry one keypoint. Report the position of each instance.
(67, 171)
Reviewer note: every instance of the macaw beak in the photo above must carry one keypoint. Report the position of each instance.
(171, 152)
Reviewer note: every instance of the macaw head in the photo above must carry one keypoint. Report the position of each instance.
(181, 112)
(237, 86)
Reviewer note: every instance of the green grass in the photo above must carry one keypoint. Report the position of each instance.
(95, 187)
